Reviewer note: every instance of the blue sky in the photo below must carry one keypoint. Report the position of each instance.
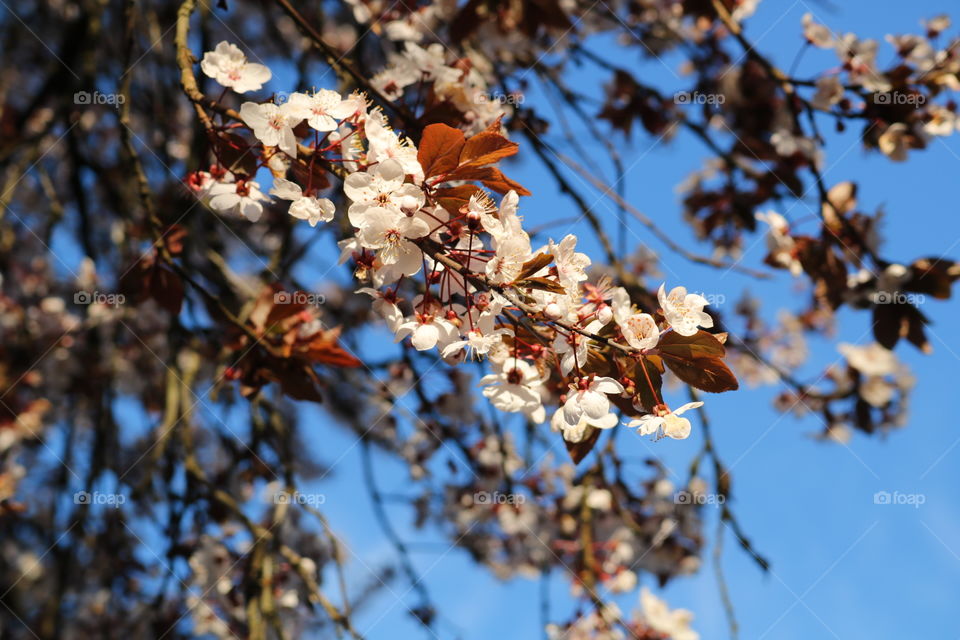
(842, 566)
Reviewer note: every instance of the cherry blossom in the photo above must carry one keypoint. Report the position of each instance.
(665, 422)
(673, 624)
(476, 342)
(389, 230)
(573, 347)
(483, 334)
(589, 398)
(384, 143)
(321, 109)
(571, 266)
(870, 360)
(512, 252)
(514, 388)
(829, 92)
(640, 331)
(504, 225)
(684, 311)
(302, 207)
(426, 330)
(943, 122)
(381, 186)
(780, 243)
(200, 182)
(576, 432)
(272, 124)
(896, 141)
(817, 34)
(385, 306)
(228, 65)
(242, 197)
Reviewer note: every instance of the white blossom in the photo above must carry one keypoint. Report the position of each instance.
(589, 399)
(829, 92)
(684, 311)
(426, 331)
(321, 109)
(571, 266)
(515, 388)
(242, 197)
(665, 422)
(658, 616)
(779, 241)
(381, 186)
(302, 207)
(384, 143)
(386, 309)
(228, 65)
(815, 33)
(870, 360)
(640, 331)
(271, 124)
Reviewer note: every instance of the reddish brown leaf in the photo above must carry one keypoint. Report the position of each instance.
(440, 149)
(932, 276)
(486, 148)
(491, 177)
(324, 349)
(894, 321)
(915, 333)
(535, 264)
(296, 383)
(863, 415)
(167, 289)
(542, 284)
(173, 238)
(312, 174)
(135, 281)
(699, 345)
(706, 374)
(452, 198)
(648, 398)
(272, 306)
(886, 325)
(235, 154)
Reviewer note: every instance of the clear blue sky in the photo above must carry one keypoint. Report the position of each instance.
(841, 566)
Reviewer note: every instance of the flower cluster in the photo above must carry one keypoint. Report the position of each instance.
(641, 528)
(899, 102)
(460, 85)
(485, 290)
